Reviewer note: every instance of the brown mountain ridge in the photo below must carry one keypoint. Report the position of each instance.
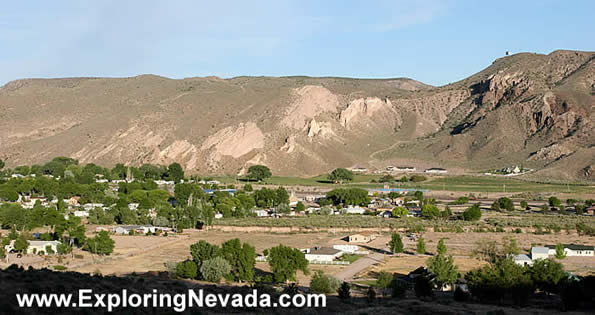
(529, 109)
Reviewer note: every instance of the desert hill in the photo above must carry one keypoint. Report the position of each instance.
(529, 109)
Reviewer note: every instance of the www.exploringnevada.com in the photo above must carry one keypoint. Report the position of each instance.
(86, 298)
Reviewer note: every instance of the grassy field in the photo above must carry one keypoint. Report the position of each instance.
(355, 221)
(447, 183)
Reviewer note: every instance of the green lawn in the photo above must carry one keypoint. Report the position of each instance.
(351, 257)
(480, 184)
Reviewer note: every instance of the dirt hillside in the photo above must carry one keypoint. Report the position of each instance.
(529, 109)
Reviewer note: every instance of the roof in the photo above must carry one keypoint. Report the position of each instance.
(40, 243)
(521, 257)
(436, 169)
(573, 247)
(323, 251)
(539, 250)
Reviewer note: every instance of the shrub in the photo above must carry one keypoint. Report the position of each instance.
(396, 244)
(187, 269)
(472, 213)
(344, 291)
(214, 269)
(60, 267)
(321, 283)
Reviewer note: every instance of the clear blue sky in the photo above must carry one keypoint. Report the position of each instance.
(433, 41)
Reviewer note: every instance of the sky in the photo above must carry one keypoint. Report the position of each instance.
(433, 41)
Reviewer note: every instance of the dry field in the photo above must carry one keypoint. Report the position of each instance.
(149, 253)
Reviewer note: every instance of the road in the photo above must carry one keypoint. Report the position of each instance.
(350, 271)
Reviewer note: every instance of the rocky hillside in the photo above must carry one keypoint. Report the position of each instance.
(535, 110)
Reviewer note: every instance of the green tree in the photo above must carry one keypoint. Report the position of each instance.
(258, 172)
(340, 175)
(101, 244)
(421, 246)
(524, 204)
(242, 259)
(400, 212)
(203, 251)
(175, 172)
(300, 207)
(430, 211)
(554, 202)
(187, 269)
(472, 213)
(547, 274)
(560, 251)
(443, 269)
(396, 244)
(506, 203)
(214, 269)
(2, 164)
(21, 244)
(285, 262)
(441, 248)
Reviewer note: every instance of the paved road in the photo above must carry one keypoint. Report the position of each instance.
(351, 270)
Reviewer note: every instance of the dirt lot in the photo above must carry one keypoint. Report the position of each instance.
(149, 253)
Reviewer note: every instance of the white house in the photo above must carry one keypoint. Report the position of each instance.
(359, 169)
(363, 237)
(350, 249)
(322, 254)
(573, 250)
(435, 170)
(81, 213)
(140, 229)
(539, 253)
(354, 210)
(523, 260)
(89, 206)
(261, 212)
(36, 247)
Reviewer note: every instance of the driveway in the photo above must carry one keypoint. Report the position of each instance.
(351, 270)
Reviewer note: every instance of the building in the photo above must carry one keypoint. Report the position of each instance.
(354, 210)
(261, 212)
(435, 170)
(359, 169)
(539, 253)
(363, 237)
(322, 254)
(350, 249)
(523, 260)
(405, 169)
(36, 247)
(573, 250)
(139, 229)
(386, 214)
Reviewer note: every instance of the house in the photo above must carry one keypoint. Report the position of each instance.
(133, 206)
(81, 213)
(405, 168)
(72, 201)
(523, 260)
(261, 212)
(354, 210)
(89, 206)
(386, 214)
(359, 169)
(322, 254)
(36, 247)
(293, 200)
(350, 249)
(573, 250)
(539, 253)
(363, 237)
(435, 170)
(17, 176)
(218, 215)
(140, 229)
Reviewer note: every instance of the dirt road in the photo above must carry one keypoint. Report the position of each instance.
(350, 271)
